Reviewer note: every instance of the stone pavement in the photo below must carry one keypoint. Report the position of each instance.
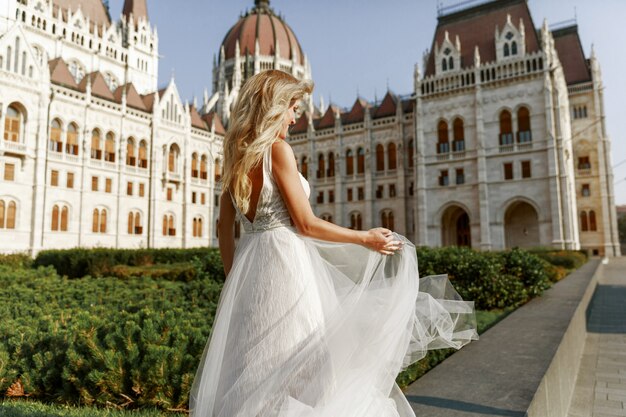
(601, 383)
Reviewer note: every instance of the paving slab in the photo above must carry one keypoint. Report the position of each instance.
(603, 367)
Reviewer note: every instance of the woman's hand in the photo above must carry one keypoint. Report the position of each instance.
(382, 241)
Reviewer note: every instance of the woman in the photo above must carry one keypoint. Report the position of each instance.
(314, 319)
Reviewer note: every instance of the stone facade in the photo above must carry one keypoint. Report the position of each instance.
(92, 154)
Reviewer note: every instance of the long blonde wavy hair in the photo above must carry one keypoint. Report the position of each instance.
(255, 123)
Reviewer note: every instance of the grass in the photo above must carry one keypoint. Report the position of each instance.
(26, 408)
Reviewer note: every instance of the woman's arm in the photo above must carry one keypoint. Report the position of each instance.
(285, 173)
(226, 231)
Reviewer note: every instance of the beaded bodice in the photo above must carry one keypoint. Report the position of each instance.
(271, 210)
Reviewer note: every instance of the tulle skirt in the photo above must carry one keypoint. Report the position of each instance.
(310, 328)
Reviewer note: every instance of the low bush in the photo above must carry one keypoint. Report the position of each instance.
(99, 262)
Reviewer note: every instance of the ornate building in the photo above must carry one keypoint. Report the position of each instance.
(501, 143)
(92, 154)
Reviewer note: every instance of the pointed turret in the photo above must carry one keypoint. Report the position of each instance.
(137, 9)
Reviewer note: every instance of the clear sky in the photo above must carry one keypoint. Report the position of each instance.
(369, 46)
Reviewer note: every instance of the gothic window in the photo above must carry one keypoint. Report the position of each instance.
(506, 128)
(168, 225)
(458, 144)
(321, 169)
(523, 121)
(391, 156)
(444, 64)
(584, 163)
(506, 49)
(349, 162)
(444, 179)
(55, 218)
(451, 63)
(331, 165)
(513, 48)
(56, 143)
(77, 71)
(217, 172)
(111, 81)
(194, 165)
(96, 145)
(592, 221)
(584, 226)
(304, 167)
(7, 214)
(443, 146)
(387, 219)
(380, 157)
(360, 162)
(143, 154)
(109, 148)
(64, 215)
(204, 168)
(12, 124)
(356, 222)
(131, 158)
(71, 146)
(99, 221)
(172, 158)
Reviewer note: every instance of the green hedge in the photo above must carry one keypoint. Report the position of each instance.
(77, 263)
(491, 279)
(103, 341)
(135, 340)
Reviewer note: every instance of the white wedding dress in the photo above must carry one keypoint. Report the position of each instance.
(318, 329)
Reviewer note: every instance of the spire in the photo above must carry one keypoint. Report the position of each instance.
(138, 9)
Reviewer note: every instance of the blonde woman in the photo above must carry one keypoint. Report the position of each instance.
(314, 319)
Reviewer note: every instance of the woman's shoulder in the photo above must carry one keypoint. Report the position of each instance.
(282, 153)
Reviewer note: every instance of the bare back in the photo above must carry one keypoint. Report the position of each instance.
(256, 176)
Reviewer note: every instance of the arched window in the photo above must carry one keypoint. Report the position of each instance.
(109, 148)
(55, 218)
(349, 162)
(172, 158)
(583, 221)
(131, 223)
(203, 168)
(12, 124)
(131, 158)
(71, 146)
(513, 48)
(391, 156)
(138, 227)
(506, 128)
(165, 225)
(360, 162)
(96, 144)
(321, 166)
(218, 170)
(380, 157)
(194, 165)
(443, 144)
(411, 151)
(95, 222)
(451, 63)
(592, 221)
(458, 143)
(331, 164)
(64, 218)
(387, 219)
(444, 64)
(56, 143)
(103, 221)
(506, 49)
(77, 71)
(523, 121)
(11, 215)
(171, 229)
(355, 221)
(304, 167)
(143, 154)
(2, 209)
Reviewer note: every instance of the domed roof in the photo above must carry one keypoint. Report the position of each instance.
(270, 29)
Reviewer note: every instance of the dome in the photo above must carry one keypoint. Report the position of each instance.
(270, 29)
